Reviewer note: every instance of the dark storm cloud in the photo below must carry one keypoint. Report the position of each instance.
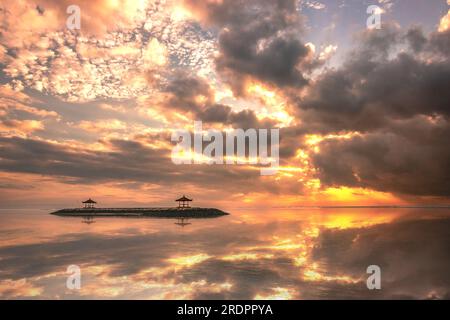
(370, 88)
(411, 158)
(185, 89)
(257, 40)
(34, 156)
(216, 113)
(394, 90)
(438, 44)
(416, 39)
(128, 161)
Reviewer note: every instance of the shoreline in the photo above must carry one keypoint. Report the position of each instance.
(141, 212)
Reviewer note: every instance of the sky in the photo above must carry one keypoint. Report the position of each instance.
(363, 113)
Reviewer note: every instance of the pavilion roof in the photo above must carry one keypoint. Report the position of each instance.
(89, 201)
(183, 198)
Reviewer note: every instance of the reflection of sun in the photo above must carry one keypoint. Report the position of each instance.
(312, 274)
(278, 294)
(188, 261)
(246, 256)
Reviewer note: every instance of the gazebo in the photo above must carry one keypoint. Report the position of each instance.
(89, 203)
(183, 202)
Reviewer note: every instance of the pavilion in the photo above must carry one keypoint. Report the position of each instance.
(183, 202)
(88, 204)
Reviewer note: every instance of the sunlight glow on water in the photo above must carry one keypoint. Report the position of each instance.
(253, 254)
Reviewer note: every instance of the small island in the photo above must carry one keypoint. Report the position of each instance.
(182, 211)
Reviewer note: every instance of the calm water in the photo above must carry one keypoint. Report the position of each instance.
(274, 254)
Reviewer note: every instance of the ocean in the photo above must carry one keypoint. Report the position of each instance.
(291, 253)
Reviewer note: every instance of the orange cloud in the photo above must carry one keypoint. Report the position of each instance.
(444, 24)
(25, 20)
(19, 127)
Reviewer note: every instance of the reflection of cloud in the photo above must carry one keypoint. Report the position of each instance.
(412, 255)
(246, 256)
(278, 294)
(19, 289)
(188, 261)
(242, 263)
(395, 121)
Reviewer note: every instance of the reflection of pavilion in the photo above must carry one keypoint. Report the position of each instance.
(181, 222)
(88, 220)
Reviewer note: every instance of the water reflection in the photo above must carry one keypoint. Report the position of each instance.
(88, 220)
(182, 222)
(278, 254)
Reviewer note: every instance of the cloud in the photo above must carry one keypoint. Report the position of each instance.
(444, 24)
(409, 158)
(25, 19)
(129, 161)
(313, 5)
(397, 101)
(257, 40)
(20, 127)
(111, 57)
(192, 95)
(138, 70)
(411, 252)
